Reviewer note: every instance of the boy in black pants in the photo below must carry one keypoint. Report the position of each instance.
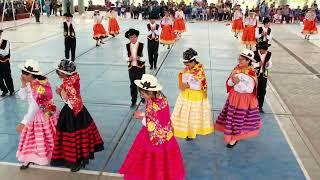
(153, 41)
(69, 37)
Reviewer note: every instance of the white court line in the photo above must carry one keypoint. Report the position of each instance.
(306, 174)
(64, 169)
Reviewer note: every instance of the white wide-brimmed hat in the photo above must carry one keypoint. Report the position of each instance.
(248, 54)
(66, 67)
(31, 66)
(149, 83)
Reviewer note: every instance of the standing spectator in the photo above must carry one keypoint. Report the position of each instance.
(36, 12)
(286, 14)
(47, 7)
(118, 6)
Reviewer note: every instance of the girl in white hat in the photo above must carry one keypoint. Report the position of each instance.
(77, 138)
(155, 153)
(192, 114)
(38, 125)
(240, 117)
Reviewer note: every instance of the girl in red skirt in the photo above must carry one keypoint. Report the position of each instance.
(77, 137)
(114, 28)
(310, 24)
(248, 36)
(99, 32)
(38, 125)
(155, 153)
(167, 36)
(237, 23)
(179, 24)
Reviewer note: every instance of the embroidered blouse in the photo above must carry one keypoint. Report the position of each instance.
(195, 77)
(39, 95)
(71, 85)
(248, 80)
(157, 120)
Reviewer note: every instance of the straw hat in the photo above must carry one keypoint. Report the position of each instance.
(31, 66)
(149, 83)
(248, 54)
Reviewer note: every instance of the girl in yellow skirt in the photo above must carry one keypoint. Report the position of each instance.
(249, 33)
(192, 112)
(167, 36)
(179, 24)
(99, 32)
(113, 23)
(237, 23)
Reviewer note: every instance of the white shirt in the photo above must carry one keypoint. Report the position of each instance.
(26, 94)
(98, 19)
(246, 84)
(262, 58)
(193, 83)
(268, 37)
(155, 32)
(5, 51)
(134, 50)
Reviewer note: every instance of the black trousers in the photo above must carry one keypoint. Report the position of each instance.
(37, 15)
(153, 47)
(262, 86)
(70, 44)
(134, 74)
(6, 82)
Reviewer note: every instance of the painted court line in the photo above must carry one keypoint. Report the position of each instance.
(306, 174)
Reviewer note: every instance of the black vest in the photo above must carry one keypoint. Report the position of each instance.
(258, 59)
(68, 32)
(260, 32)
(150, 36)
(3, 45)
(140, 64)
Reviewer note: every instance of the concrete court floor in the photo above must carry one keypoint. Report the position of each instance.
(105, 91)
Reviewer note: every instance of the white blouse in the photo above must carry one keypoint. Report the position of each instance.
(98, 19)
(26, 94)
(193, 83)
(246, 84)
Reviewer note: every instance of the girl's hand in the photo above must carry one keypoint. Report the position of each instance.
(23, 81)
(139, 115)
(64, 95)
(20, 127)
(58, 90)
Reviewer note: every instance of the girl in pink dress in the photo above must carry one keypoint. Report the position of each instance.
(38, 125)
(155, 153)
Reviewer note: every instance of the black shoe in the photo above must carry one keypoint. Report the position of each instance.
(113, 35)
(143, 101)
(102, 42)
(151, 68)
(4, 94)
(97, 45)
(133, 104)
(75, 168)
(155, 67)
(231, 146)
(261, 110)
(188, 139)
(11, 93)
(23, 167)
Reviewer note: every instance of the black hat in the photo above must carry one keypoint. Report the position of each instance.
(266, 20)
(131, 32)
(68, 15)
(66, 67)
(263, 45)
(189, 55)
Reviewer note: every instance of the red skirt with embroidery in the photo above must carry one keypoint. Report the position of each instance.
(179, 25)
(76, 140)
(167, 35)
(249, 35)
(310, 27)
(99, 32)
(148, 161)
(113, 26)
(237, 25)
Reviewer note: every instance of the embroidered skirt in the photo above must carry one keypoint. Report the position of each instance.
(249, 35)
(237, 25)
(310, 27)
(179, 25)
(167, 35)
(113, 26)
(76, 140)
(240, 118)
(192, 115)
(99, 32)
(36, 140)
(146, 161)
